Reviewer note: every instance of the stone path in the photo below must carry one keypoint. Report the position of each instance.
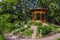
(34, 28)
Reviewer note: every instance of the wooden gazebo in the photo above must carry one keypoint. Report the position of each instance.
(38, 14)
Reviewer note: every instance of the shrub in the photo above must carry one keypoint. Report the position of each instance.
(38, 23)
(39, 28)
(9, 27)
(47, 29)
(1, 37)
(29, 23)
(28, 33)
(58, 30)
(22, 29)
(54, 28)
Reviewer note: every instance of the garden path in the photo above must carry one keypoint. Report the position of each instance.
(34, 32)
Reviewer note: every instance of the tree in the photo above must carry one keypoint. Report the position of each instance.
(53, 9)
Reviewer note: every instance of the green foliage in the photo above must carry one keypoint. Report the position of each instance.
(47, 29)
(58, 30)
(38, 23)
(5, 23)
(28, 32)
(14, 12)
(1, 37)
(22, 29)
(53, 9)
(58, 38)
(30, 23)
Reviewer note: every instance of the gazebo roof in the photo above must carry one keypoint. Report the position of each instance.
(38, 9)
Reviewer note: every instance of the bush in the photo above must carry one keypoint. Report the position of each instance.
(28, 33)
(38, 23)
(8, 28)
(58, 30)
(47, 29)
(1, 37)
(29, 23)
(22, 29)
(54, 28)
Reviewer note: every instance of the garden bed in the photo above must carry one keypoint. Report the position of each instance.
(43, 30)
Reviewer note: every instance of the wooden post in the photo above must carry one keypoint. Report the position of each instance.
(35, 16)
(32, 16)
(44, 18)
(40, 17)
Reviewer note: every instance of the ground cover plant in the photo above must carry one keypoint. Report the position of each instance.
(49, 29)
